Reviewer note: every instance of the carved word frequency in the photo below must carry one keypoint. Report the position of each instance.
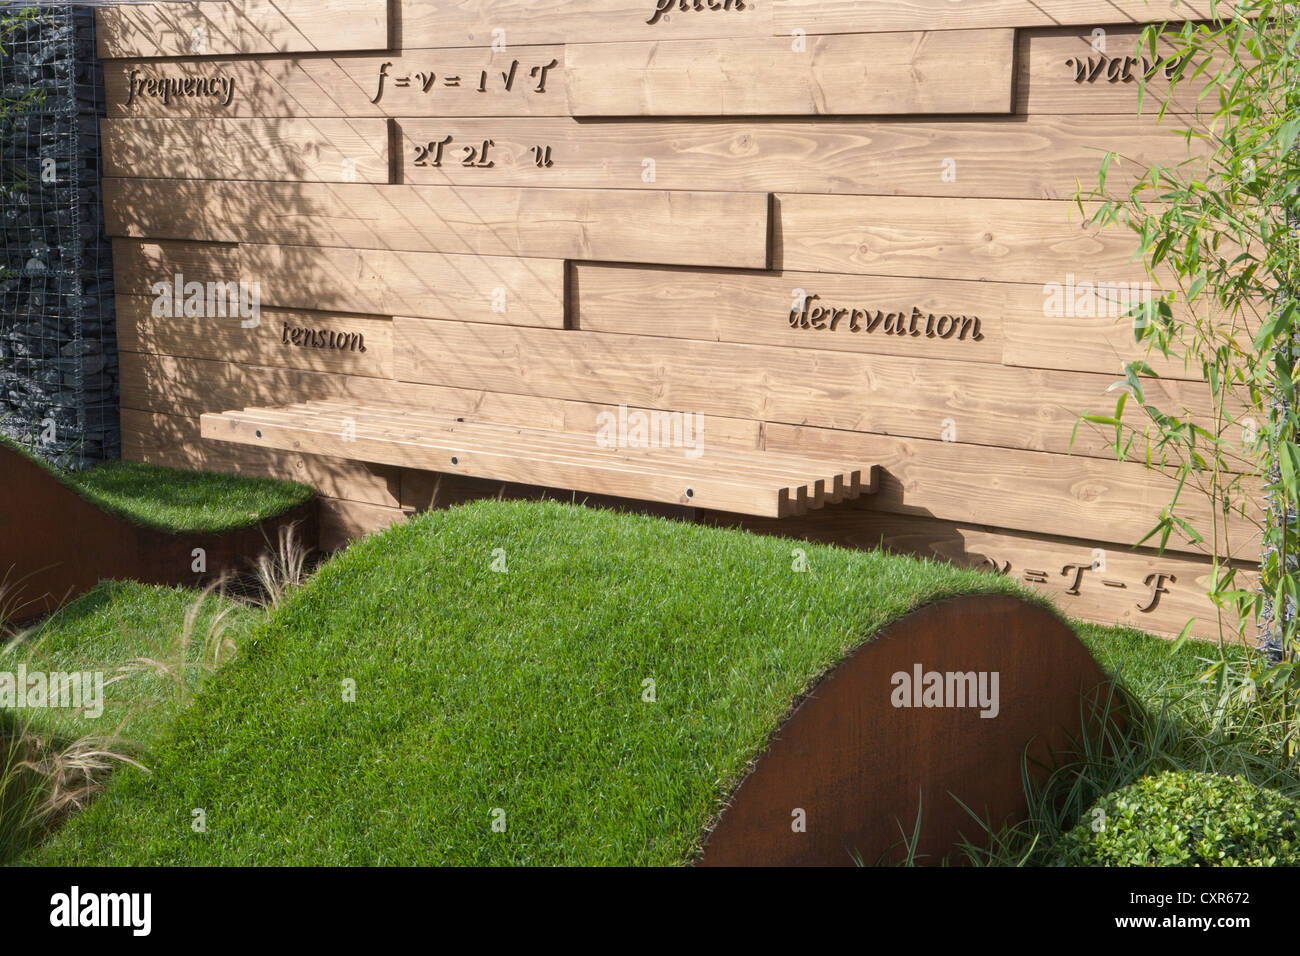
(167, 88)
(664, 7)
(1119, 69)
(829, 318)
(427, 81)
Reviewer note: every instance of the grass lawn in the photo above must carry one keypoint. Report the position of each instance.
(147, 643)
(137, 636)
(478, 690)
(177, 501)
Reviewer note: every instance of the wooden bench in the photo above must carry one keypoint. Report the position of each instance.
(750, 482)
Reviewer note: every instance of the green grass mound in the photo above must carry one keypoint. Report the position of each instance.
(172, 500)
(145, 650)
(474, 687)
(169, 499)
(1187, 819)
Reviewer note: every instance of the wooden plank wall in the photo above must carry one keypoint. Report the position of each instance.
(835, 227)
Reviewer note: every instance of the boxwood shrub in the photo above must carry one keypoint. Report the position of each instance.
(1186, 819)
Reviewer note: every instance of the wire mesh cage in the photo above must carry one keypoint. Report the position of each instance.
(58, 357)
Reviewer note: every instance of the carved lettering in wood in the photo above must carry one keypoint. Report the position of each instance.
(806, 314)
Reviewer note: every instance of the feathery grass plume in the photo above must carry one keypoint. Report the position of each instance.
(284, 567)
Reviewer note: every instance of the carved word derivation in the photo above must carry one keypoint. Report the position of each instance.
(167, 88)
(322, 339)
(664, 7)
(805, 315)
(1120, 69)
(427, 81)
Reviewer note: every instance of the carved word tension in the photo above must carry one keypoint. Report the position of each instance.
(664, 7)
(828, 318)
(167, 88)
(322, 339)
(1119, 69)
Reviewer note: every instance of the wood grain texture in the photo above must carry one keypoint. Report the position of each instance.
(725, 229)
(498, 289)
(140, 263)
(886, 16)
(1047, 157)
(523, 81)
(997, 240)
(1049, 63)
(1019, 323)
(342, 522)
(880, 74)
(241, 26)
(1105, 502)
(366, 347)
(453, 23)
(945, 481)
(191, 387)
(292, 150)
(173, 441)
(759, 309)
(550, 458)
(980, 404)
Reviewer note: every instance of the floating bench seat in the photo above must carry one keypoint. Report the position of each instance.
(742, 481)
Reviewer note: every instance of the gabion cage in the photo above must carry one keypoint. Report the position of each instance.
(58, 356)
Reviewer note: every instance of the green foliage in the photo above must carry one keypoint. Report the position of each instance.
(1215, 233)
(1187, 819)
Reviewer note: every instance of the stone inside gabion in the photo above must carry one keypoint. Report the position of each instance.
(58, 359)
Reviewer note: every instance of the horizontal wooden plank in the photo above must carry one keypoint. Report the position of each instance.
(342, 522)
(1079, 327)
(512, 22)
(521, 81)
(887, 16)
(795, 310)
(321, 341)
(880, 74)
(1073, 71)
(496, 289)
(1003, 240)
(1105, 502)
(1109, 585)
(1036, 157)
(697, 228)
(173, 441)
(192, 387)
(140, 263)
(977, 404)
(241, 26)
(294, 150)
(551, 459)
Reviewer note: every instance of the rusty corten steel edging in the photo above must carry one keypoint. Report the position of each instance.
(55, 545)
(855, 764)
